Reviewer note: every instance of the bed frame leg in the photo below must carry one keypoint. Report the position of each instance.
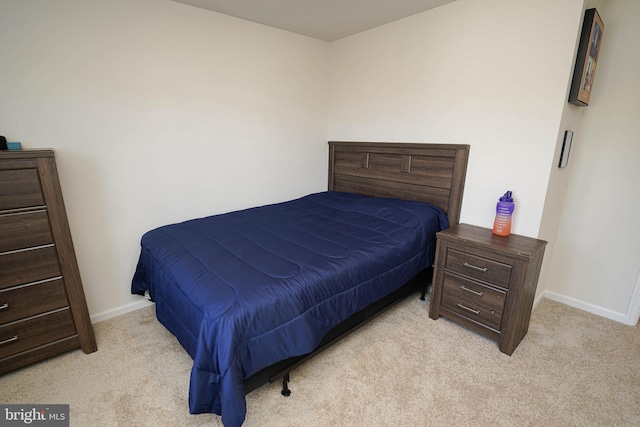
(285, 386)
(424, 292)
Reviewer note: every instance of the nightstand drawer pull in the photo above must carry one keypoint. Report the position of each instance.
(10, 340)
(468, 309)
(464, 288)
(4, 306)
(466, 264)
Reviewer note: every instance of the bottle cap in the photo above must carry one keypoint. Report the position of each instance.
(507, 197)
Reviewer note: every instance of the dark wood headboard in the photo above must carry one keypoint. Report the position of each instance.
(431, 173)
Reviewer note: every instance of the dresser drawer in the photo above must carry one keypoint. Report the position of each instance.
(24, 230)
(20, 189)
(478, 267)
(34, 331)
(473, 300)
(28, 300)
(26, 266)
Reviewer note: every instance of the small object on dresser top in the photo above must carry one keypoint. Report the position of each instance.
(14, 146)
(3, 143)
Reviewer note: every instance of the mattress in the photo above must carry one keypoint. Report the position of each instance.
(244, 290)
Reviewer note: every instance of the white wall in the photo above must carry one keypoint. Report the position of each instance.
(492, 74)
(596, 261)
(559, 177)
(158, 112)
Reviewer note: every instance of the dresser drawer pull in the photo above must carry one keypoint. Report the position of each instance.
(468, 309)
(464, 288)
(483, 269)
(50, 245)
(4, 306)
(10, 340)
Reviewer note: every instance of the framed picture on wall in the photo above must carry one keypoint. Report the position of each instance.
(587, 58)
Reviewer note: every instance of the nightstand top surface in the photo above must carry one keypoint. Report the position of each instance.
(514, 244)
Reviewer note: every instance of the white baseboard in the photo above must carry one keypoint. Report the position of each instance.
(591, 308)
(633, 312)
(537, 300)
(114, 312)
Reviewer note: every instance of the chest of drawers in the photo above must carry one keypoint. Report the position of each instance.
(43, 311)
(486, 282)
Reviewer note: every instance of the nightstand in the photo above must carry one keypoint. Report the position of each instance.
(486, 282)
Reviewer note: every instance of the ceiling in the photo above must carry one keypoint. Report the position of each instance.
(321, 19)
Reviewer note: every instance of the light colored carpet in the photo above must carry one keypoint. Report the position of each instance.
(402, 369)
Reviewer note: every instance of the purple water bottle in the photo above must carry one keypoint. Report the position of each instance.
(504, 211)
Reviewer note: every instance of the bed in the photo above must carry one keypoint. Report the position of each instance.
(252, 294)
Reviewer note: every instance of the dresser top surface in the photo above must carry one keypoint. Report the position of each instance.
(25, 153)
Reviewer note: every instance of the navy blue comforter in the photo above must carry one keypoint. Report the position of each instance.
(244, 290)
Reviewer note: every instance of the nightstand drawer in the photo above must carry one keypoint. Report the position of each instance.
(21, 267)
(478, 267)
(475, 292)
(24, 229)
(24, 301)
(34, 331)
(473, 300)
